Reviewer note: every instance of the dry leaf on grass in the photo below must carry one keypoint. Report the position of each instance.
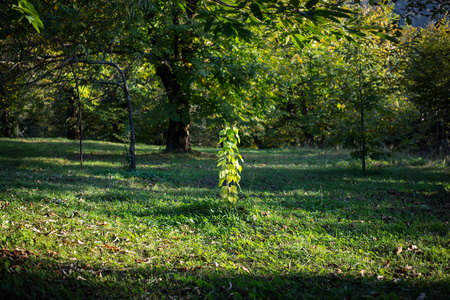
(111, 247)
(422, 296)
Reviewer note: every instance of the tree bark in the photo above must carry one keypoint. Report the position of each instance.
(4, 119)
(6, 127)
(172, 70)
(178, 139)
(72, 132)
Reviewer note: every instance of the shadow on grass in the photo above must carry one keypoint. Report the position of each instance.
(271, 171)
(37, 278)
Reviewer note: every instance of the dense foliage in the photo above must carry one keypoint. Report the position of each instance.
(287, 73)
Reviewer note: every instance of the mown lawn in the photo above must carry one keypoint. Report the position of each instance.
(308, 224)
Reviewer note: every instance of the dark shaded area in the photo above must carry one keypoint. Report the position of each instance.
(41, 278)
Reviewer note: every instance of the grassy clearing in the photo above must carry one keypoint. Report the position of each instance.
(308, 224)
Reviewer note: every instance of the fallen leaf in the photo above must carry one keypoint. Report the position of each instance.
(245, 269)
(374, 294)
(422, 296)
(413, 248)
(398, 250)
(183, 269)
(407, 268)
(35, 229)
(386, 217)
(397, 280)
(415, 274)
(362, 272)
(111, 247)
(404, 269)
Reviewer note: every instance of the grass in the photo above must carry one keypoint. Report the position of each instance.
(308, 225)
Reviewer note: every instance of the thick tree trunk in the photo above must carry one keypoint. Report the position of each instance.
(173, 71)
(178, 139)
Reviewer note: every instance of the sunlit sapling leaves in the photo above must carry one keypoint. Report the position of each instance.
(229, 157)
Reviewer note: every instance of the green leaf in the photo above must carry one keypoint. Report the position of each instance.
(310, 4)
(208, 25)
(256, 11)
(295, 3)
(298, 40)
(387, 37)
(30, 14)
(329, 14)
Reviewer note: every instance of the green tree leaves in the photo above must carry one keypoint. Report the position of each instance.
(28, 11)
(428, 82)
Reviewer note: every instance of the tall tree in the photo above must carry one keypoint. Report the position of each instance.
(177, 34)
(428, 73)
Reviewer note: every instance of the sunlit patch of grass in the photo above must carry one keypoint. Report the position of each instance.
(308, 224)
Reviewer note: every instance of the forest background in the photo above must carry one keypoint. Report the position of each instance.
(288, 73)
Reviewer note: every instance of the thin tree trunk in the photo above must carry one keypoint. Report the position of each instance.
(363, 140)
(436, 120)
(132, 151)
(71, 115)
(80, 124)
(363, 130)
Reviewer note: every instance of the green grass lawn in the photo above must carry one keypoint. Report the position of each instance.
(308, 224)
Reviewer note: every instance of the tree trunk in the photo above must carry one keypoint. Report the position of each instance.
(178, 139)
(72, 132)
(6, 127)
(173, 70)
(4, 119)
